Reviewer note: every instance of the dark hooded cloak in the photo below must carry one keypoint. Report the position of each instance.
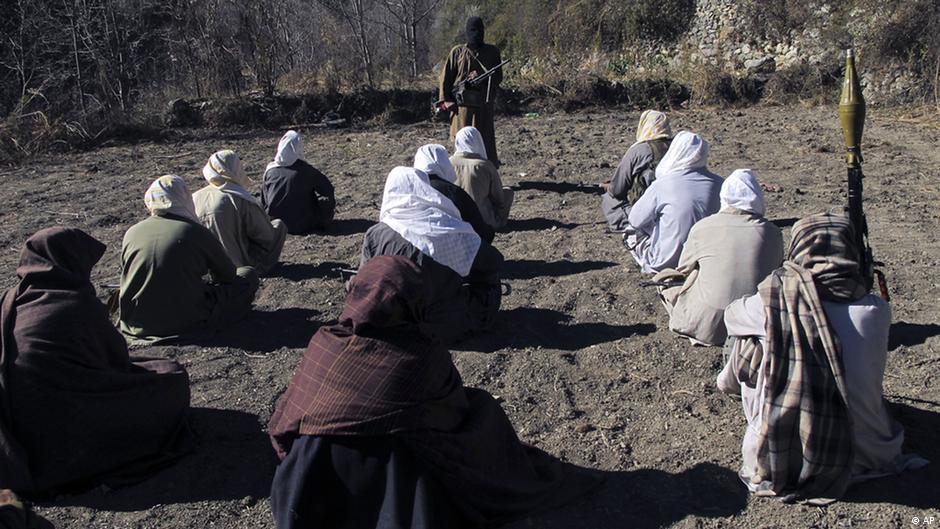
(75, 410)
(375, 376)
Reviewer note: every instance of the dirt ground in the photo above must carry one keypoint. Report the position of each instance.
(581, 357)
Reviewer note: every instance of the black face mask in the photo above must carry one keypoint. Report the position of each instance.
(475, 32)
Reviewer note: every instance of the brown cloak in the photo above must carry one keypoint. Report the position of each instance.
(75, 410)
(374, 373)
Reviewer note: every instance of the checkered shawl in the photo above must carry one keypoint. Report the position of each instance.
(805, 445)
(374, 372)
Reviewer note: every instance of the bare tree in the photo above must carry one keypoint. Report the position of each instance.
(23, 42)
(410, 14)
(355, 14)
(70, 12)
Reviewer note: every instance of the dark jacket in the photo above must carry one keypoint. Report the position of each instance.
(300, 195)
(462, 306)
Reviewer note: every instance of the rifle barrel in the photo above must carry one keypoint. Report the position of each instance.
(486, 75)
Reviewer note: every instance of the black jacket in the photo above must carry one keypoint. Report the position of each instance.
(301, 196)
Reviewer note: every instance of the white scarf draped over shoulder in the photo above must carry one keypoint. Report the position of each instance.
(224, 171)
(168, 195)
(742, 191)
(469, 140)
(289, 150)
(433, 159)
(687, 152)
(428, 220)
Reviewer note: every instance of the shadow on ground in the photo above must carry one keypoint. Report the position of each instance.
(536, 224)
(265, 331)
(649, 499)
(908, 334)
(558, 187)
(532, 268)
(785, 223)
(915, 488)
(300, 272)
(340, 227)
(233, 460)
(531, 327)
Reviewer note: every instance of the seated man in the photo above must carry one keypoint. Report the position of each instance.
(636, 170)
(479, 177)
(684, 192)
(419, 223)
(75, 410)
(812, 396)
(163, 262)
(294, 191)
(376, 428)
(737, 239)
(432, 160)
(225, 206)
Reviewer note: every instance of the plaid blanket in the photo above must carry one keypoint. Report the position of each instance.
(374, 374)
(805, 444)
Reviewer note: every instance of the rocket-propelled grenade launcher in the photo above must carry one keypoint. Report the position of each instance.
(852, 118)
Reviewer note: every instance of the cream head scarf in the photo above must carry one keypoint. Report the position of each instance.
(687, 152)
(741, 191)
(469, 139)
(653, 125)
(289, 150)
(169, 195)
(433, 159)
(224, 171)
(428, 220)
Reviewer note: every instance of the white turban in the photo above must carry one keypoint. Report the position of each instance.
(169, 195)
(428, 220)
(469, 139)
(224, 171)
(433, 159)
(289, 150)
(687, 152)
(653, 125)
(741, 191)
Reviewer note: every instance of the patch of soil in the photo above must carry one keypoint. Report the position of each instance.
(581, 356)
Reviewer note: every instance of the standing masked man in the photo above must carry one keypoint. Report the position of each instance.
(465, 62)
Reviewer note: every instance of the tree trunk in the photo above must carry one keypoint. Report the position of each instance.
(364, 43)
(413, 45)
(78, 66)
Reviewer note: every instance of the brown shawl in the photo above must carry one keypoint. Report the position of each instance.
(805, 444)
(74, 408)
(374, 373)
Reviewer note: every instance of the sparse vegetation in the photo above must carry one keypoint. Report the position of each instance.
(71, 69)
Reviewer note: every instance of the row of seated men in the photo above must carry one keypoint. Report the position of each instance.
(376, 428)
(56, 332)
(725, 280)
(224, 233)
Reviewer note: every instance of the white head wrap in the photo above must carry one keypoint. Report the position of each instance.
(469, 139)
(169, 195)
(433, 159)
(688, 151)
(289, 150)
(428, 220)
(741, 191)
(224, 171)
(653, 125)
